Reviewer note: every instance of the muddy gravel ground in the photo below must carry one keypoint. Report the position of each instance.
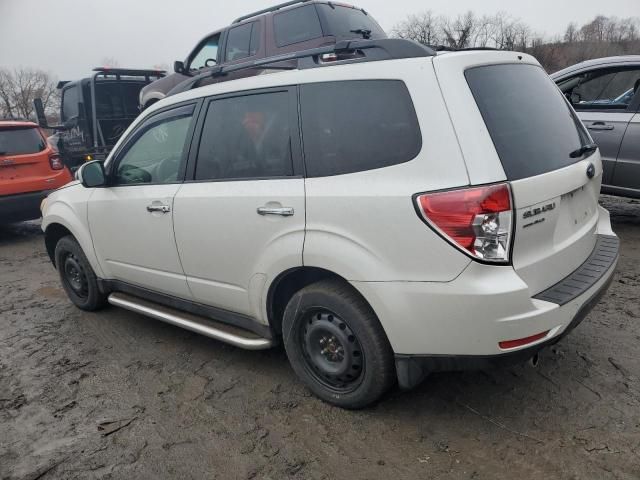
(116, 395)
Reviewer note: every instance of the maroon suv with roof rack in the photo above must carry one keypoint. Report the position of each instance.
(284, 28)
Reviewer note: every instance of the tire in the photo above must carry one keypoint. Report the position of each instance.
(77, 277)
(337, 346)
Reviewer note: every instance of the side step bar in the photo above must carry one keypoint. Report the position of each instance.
(210, 328)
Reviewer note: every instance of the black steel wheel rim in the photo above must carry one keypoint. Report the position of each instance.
(332, 353)
(75, 276)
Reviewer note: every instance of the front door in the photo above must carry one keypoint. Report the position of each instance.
(607, 130)
(131, 220)
(627, 173)
(240, 220)
(603, 100)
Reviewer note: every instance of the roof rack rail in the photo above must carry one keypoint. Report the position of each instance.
(267, 10)
(446, 48)
(347, 51)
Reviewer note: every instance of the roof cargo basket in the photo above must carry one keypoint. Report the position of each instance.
(128, 72)
(270, 9)
(347, 51)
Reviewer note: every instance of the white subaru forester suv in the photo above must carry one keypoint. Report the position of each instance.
(382, 211)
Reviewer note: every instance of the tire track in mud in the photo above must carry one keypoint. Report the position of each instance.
(113, 394)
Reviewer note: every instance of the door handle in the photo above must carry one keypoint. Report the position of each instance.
(158, 208)
(600, 126)
(282, 211)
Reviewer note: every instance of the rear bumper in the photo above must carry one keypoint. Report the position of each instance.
(24, 206)
(412, 369)
(461, 324)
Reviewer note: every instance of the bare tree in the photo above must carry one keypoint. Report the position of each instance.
(571, 33)
(601, 37)
(459, 31)
(18, 89)
(422, 27)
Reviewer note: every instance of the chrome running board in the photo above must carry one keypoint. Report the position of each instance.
(220, 331)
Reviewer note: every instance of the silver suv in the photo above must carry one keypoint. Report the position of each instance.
(606, 94)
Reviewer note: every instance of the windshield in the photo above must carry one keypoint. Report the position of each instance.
(21, 141)
(532, 126)
(349, 22)
(605, 89)
(207, 55)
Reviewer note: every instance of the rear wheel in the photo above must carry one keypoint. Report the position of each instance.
(77, 277)
(337, 346)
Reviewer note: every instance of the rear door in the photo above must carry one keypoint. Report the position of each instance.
(240, 218)
(24, 160)
(603, 99)
(524, 131)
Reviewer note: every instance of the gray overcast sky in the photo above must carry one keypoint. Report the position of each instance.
(69, 37)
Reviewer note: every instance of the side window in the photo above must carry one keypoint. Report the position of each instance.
(207, 56)
(155, 153)
(296, 25)
(246, 137)
(340, 136)
(70, 101)
(602, 89)
(243, 41)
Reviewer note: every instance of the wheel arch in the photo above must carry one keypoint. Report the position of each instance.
(52, 235)
(285, 285)
(59, 221)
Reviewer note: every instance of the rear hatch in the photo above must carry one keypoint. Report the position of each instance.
(514, 124)
(345, 22)
(24, 160)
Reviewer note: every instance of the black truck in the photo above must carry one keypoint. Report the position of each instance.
(95, 111)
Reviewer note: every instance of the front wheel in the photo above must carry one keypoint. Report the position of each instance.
(337, 346)
(78, 278)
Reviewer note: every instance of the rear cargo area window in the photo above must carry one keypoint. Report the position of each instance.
(532, 126)
(21, 141)
(352, 126)
(296, 25)
(243, 41)
(344, 22)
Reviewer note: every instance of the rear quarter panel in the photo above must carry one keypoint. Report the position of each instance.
(475, 141)
(363, 226)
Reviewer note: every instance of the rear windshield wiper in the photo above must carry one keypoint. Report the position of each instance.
(583, 150)
(366, 34)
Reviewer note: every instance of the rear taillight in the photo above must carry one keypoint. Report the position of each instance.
(477, 220)
(55, 161)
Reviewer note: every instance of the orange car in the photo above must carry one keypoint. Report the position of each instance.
(29, 169)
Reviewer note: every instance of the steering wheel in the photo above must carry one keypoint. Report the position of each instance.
(167, 169)
(208, 60)
(131, 174)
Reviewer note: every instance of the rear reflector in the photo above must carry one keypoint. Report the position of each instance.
(55, 161)
(522, 341)
(478, 220)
